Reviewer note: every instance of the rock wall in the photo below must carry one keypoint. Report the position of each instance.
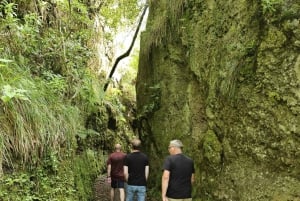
(224, 77)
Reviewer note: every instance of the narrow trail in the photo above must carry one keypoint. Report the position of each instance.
(102, 190)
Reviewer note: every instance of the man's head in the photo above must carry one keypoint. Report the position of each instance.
(175, 146)
(118, 147)
(176, 143)
(136, 144)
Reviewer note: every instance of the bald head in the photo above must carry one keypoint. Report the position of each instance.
(118, 147)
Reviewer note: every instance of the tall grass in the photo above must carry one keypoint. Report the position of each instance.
(49, 94)
(167, 16)
(37, 76)
(35, 123)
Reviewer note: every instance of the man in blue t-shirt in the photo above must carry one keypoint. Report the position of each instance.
(136, 171)
(178, 174)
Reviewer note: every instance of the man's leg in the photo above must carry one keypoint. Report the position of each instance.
(141, 193)
(129, 193)
(113, 185)
(120, 186)
(112, 194)
(122, 194)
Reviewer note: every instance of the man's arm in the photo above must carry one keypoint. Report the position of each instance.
(193, 178)
(125, 172)
(108, 170)
(146, 172)
(164, 184)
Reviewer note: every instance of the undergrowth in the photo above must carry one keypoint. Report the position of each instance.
(53, 122)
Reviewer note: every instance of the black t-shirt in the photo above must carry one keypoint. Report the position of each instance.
(136, 163)
(181, 169)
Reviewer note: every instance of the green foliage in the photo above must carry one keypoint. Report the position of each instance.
(117, 13)
(38, 185)
(114, 102)
(55, 179)
(269, 6)
(119, 110)
(86, 167)
(88, 93)
(29, 128)
(127, 82)
(55, 82)
(212, 148)
(154, 103)
(47, 93)
(167, 15)
(21, 37)
(8, 15)
(9, 93)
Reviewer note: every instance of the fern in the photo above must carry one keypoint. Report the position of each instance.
(269, 6)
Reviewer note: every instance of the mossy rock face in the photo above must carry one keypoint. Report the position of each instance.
(212, 148)
(228, 77)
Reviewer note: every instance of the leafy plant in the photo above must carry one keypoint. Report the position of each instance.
(8, 92)
(56, 82)
(269, 6)
(39, 185)
(48, 88)
(154, 103)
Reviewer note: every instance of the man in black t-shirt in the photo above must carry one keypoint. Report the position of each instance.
(178, 174)
(136, 171)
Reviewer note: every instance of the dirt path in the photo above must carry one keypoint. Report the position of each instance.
(102, 190)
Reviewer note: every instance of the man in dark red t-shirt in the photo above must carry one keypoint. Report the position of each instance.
(115, 172)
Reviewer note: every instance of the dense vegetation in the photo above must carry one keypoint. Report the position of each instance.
(56, 123)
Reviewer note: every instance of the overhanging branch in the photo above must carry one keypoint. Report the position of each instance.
(126, 54)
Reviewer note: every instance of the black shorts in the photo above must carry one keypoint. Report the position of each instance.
(117, 184)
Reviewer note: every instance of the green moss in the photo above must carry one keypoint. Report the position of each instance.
(212, 148)
(86, 168)
(41, 184)
(284, 197)
(274, 95)
(68, 180)
(176, 54)
(274, 39)
(270, 6)
(239, 79)
(169, 12)
(297, 68)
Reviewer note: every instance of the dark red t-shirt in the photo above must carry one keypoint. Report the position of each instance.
(116, 160)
